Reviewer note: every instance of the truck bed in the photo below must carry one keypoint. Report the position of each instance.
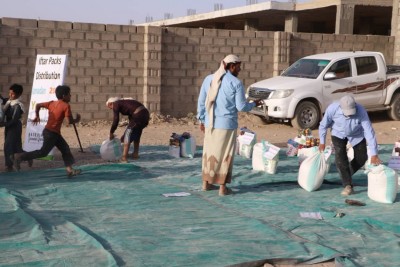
(393, 69)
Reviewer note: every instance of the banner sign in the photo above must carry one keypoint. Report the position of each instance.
(50, 71)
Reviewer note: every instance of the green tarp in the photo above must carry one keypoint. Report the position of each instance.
(116, 215)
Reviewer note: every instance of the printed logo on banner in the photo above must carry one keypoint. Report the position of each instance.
(50, 72)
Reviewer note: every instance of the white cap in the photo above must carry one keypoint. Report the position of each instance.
(348, 105)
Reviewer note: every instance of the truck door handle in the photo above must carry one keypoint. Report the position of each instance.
(379, 79)
(352, 82)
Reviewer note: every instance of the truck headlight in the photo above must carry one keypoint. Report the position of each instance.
(281, 94)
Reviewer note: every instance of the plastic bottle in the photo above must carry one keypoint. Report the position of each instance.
(308, 142)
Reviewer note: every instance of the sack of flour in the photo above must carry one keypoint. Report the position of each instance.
(312, 171)
(306, 152)
(350, 155)
(111, 150)
(382, 183)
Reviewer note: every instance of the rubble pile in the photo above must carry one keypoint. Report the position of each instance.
(155, 118)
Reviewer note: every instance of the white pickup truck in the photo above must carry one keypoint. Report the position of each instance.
(305, 89)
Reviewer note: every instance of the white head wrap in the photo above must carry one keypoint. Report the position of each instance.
(112, 100)
(12, 103)
(231, 59)
(215, 84)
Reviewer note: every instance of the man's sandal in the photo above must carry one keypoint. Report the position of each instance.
(74, 172)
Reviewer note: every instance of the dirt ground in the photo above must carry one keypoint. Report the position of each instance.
(161, 128)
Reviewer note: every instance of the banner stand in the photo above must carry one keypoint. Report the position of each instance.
(50, 72)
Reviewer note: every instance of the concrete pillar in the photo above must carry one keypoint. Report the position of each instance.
(396, 31)
(344, 19)
(281, 52)
(291, 23)
(251, 25)
(152, 68)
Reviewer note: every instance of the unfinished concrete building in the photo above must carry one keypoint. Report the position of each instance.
(366, 17)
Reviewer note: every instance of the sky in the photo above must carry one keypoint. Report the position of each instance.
(110, 11)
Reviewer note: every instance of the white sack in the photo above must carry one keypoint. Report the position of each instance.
(350, 152)
(350, 155)
(312, 171)
(188, 147)
(382, 184)
(111, 150)
(306, 152)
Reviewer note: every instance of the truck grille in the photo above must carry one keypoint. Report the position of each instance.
(259, 93)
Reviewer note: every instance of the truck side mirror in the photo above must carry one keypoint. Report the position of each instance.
(330, 76)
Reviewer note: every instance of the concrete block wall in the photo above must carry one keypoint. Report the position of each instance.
(161, 67)
(304, 44)
(189, 55)
(103, 60)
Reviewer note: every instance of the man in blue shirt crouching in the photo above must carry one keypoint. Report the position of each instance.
(349, 123)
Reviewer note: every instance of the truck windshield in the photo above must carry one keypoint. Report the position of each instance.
(306, 68)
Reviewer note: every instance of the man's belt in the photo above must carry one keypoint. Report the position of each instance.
(138, 109)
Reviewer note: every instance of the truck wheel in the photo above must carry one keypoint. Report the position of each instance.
(307, 115)
(394, 111)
